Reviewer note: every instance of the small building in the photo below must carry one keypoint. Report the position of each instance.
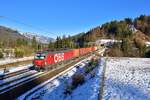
(107, 42)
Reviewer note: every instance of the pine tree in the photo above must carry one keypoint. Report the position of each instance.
(34, 43)
(51, 45)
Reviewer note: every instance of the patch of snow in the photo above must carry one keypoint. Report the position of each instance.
(147, 44)
(17, 77)
(20, 67)
(127, 79)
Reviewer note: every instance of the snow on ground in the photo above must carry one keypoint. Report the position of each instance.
(20, 67)
(54, 89)
(147, 44)
(26, 79)
(13, 60)
(17, 77)
(127, 79)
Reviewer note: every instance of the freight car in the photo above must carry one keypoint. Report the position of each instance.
(47, 59)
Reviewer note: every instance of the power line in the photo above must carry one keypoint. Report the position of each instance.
(28, 25)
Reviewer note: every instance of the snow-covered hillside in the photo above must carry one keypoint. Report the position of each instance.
(127, 79)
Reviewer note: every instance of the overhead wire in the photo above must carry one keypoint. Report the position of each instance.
(28, 25)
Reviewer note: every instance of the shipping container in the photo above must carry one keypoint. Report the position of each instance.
(68, 55)
(75, 52)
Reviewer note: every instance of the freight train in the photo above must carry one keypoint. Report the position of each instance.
(46, 59)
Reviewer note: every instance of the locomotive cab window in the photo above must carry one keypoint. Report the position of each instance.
(39, 56)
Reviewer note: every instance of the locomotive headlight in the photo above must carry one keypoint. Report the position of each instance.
(45, 63)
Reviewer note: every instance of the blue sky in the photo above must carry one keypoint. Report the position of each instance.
(68, 17)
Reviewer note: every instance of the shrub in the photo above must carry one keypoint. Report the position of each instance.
(95, 62)
(19, 52)
(147, 54)
(93, 74)
(77, 79)
(115, 52)
(91, 66)
(87, 69)
(28, 51)
(1, 55)
(68, 89)
(141, 45)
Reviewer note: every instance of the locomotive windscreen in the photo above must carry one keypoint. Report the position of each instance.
(39, 56)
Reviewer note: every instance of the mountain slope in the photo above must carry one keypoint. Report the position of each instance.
(141, 35)
(7, 33)
(39, 38)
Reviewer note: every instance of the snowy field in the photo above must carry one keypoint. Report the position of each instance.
(54, 88)
(127, 79)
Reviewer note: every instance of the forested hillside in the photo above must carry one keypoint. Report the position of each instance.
(120, 29)
(138, 28)
(133, 33)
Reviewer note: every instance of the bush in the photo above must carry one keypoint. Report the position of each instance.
(115, 52)
(1, 55)
(77, 79)
(147, 54)
(19, 52)
(91, 66)
(28, 51)
(68, 89)
(141, 45)
(93, 74)
(95, 62)
(88, 69)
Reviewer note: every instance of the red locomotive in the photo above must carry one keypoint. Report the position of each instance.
(43, 60)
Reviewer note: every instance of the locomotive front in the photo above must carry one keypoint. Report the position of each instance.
(39, 60)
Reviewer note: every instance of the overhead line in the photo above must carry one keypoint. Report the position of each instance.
(28, 25)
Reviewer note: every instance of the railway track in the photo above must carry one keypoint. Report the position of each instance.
(12, 85)
(13, 92)
(15, 79)
(5, 76)
(11, 80)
